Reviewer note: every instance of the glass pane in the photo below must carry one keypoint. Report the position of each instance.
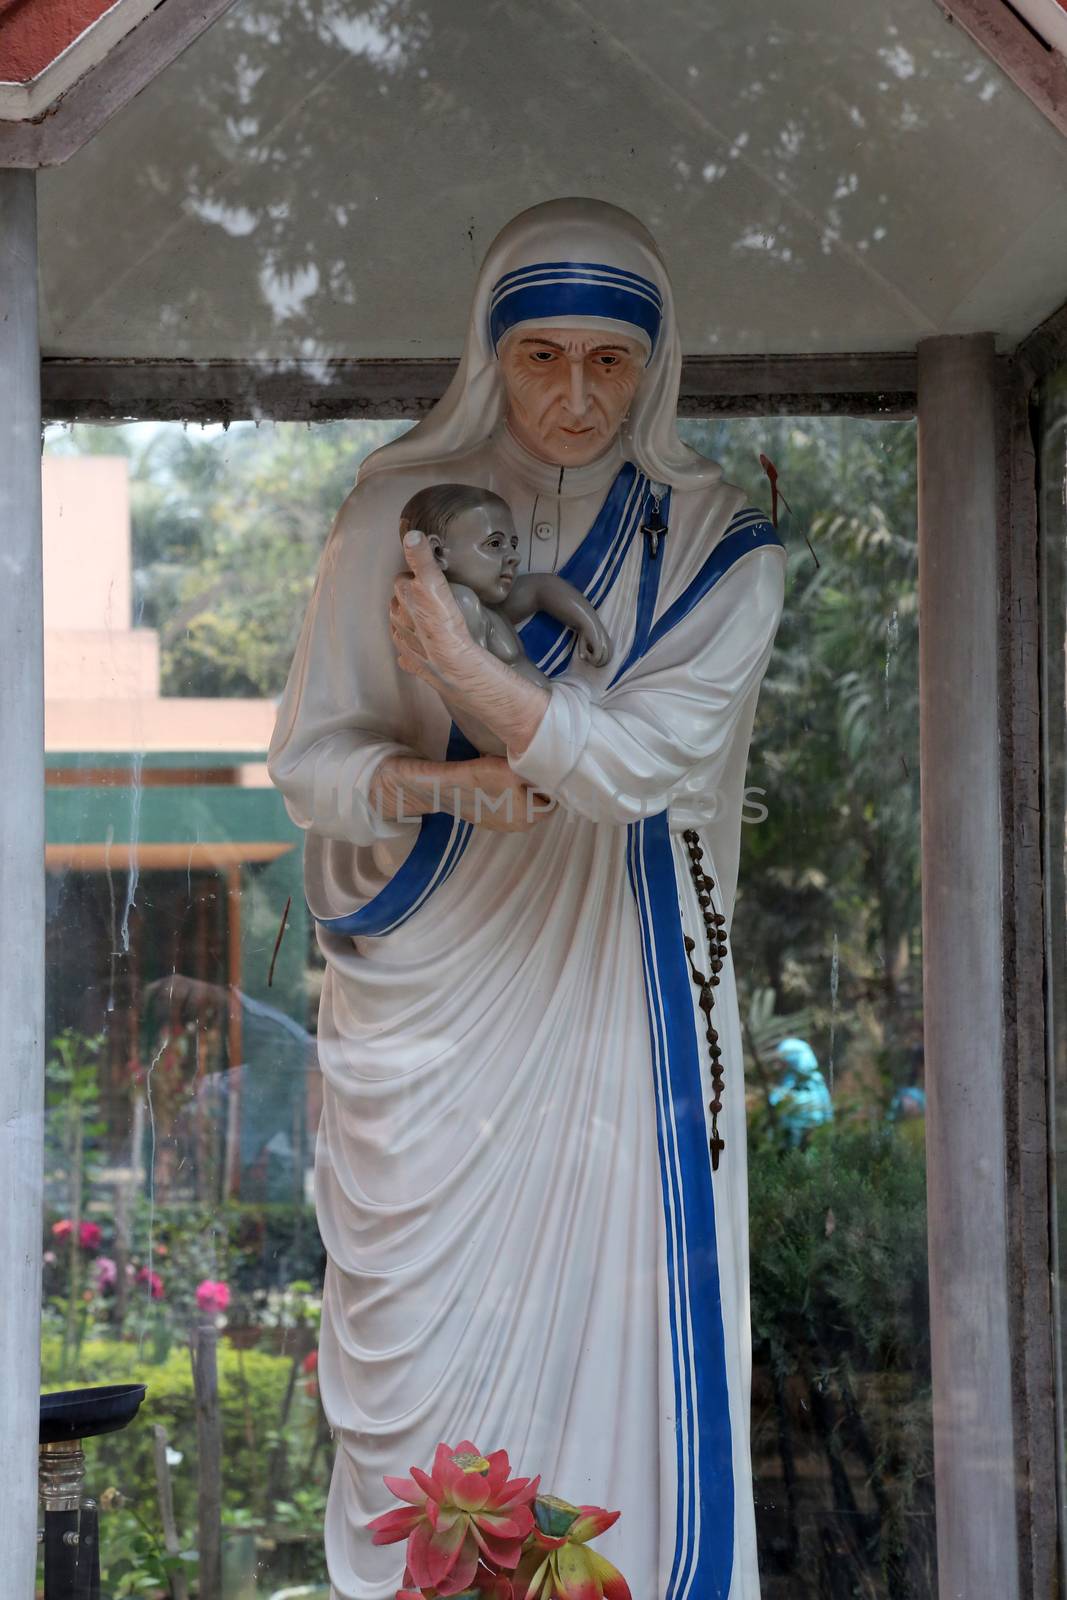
(184, 1092)
(827, 937)
(183, 1086)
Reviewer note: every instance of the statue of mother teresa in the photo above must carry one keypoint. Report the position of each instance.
(529, 1243)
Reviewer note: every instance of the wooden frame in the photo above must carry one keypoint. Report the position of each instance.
(863, 384)
(1027, 1128)
(1041, 73)
(217, 856)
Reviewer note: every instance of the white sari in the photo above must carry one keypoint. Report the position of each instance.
(527, 1244)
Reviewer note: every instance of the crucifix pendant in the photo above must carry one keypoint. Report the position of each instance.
(654, 529)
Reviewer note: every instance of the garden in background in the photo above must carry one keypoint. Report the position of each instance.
(145, 1247)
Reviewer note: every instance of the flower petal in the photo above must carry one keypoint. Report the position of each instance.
(406, 1489)
(533, 1575)
(463, 1572)
(469, 1490)
(501, 1552)
(577, 1581)
(499, 1468)
(611, 1579)
(430, 1487)
(591, 1521)
(392, 1526)
(514, 1523)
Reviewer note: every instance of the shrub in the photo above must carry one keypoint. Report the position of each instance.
(252, 1389)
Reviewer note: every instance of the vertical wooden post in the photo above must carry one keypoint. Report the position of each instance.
(234, 1038)
(974, 1454)
(203, 1352)
(21, 881)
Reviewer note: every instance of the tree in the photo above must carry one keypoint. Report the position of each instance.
(829, 911)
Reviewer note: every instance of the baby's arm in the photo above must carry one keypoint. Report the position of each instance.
(475, 614)
(547, 591)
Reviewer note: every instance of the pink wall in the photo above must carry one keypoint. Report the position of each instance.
(34, 32)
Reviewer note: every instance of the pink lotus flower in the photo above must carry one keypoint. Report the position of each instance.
(89, 1235)
(212, 1297)
(487, 1586)
(154, 1282)
(467, 1508)
(106, 1273)
(557, 1565)
(62, 1229)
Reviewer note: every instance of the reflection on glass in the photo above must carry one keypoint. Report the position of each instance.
(280, 190)
(183, 1092)
(827, 935)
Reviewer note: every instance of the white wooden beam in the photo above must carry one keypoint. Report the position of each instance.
(22, 102)
(109, 85)
(21, 882)
(963, 944)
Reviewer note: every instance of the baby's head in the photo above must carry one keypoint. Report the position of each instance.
(472, 534)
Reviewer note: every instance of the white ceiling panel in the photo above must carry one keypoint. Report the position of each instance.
(319, 179)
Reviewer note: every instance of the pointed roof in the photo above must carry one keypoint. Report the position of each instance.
(66, 66)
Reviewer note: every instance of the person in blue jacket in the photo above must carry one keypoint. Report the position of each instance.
(800, 1099)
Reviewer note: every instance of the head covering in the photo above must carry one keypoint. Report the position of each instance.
(798, 1055)
(565, 263)
(549, 290)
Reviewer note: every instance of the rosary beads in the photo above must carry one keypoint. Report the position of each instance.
(715, 933)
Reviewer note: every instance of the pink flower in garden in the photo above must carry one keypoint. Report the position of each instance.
(89, 1235)
(212, 1297)
(49, 1258)
(62, 1229)
(154, 1282)
(465, 1509)
(106, 1273)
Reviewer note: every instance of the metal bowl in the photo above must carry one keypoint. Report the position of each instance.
(84, 1413)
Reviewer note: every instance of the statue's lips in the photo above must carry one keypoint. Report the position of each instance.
(576, 433)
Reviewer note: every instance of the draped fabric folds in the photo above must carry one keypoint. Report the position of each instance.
(526, 1244)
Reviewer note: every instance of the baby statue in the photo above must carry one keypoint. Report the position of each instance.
(472, 534)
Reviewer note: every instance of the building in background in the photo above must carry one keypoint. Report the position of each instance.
(170, 862)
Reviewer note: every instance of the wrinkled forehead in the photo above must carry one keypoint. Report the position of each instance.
(590, 332)
(576, 293)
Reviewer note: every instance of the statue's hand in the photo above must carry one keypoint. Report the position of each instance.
(432, 642)
(484, 791)
(429, 630)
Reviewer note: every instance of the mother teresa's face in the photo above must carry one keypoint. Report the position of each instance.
(569, 389)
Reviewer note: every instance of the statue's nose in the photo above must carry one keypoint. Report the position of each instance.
(579, 399)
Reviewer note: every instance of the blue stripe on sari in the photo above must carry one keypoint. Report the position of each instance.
(749, 530)
(704, 1533)
(592, 568)
(647, 595)
(433, 858)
